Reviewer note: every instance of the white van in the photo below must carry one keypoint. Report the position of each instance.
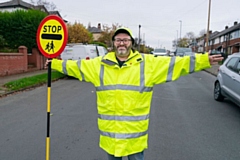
(81, 51)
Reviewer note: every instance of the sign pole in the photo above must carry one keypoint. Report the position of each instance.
(51, 39)
(48, 111)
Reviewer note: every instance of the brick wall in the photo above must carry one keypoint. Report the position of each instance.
(36, 60)
(13, 63)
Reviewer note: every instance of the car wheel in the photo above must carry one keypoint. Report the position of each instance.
(217, 92)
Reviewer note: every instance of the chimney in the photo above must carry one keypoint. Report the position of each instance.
(226, 27)
(99, 25)
(235, 23)
(89, 25)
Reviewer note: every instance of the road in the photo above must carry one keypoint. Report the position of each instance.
(185, 123)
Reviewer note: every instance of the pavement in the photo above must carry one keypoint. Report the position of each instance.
(4, 79)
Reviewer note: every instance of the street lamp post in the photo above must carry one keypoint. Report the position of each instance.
(180, 28)
(139, 38)
(177, 39)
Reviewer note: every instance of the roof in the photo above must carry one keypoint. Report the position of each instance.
(58, 14)
(16, 3)
(25, 5)
(230, 29)
(94, 30)
(214, 35)
(224, 32)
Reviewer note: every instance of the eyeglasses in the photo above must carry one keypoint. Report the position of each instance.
(125, 41)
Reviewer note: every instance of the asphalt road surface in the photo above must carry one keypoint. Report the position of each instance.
(186, 123)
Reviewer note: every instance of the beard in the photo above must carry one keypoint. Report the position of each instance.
(122, 51)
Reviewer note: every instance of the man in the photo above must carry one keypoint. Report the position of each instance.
(124, 81)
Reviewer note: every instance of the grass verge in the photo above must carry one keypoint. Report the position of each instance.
(29, 82)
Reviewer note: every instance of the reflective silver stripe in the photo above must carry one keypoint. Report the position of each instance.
(125, 87)
(79, 66)
(106, 61)
(170, 69)
(123, 135)
(124, 118)
(142, 76)
(101, 75)
(64, 67)
(192, 64)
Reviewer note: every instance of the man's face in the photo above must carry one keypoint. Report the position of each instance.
(122, 45)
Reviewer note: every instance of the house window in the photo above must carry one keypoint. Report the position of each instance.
(237, 34)
(234, 34)
(216, 41)
(222, 39)
(225, 37)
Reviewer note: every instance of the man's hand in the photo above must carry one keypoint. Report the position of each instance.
(46, 63)
(214, 59)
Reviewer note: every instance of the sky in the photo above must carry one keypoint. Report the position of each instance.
(162, 21)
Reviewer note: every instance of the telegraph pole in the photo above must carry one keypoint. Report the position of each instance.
(209, 7)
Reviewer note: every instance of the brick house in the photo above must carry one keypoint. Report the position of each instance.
(226, 41)
(96, 31)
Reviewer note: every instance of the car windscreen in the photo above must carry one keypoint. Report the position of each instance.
(183, 50)
(160, 50)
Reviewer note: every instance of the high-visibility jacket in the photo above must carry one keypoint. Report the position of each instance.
(124, 93)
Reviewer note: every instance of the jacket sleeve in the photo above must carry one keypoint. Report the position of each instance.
(171, 68)
(84, 70)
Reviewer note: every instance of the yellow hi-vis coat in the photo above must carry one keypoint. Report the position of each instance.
(124, 94)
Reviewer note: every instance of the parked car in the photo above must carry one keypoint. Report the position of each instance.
(181, 51)
(227, 84)
(77, 51)
(189, 53)
(214, 52)
(160, 52)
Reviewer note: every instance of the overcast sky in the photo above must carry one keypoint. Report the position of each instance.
(159, 19)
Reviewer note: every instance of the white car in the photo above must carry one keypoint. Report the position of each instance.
(160, 52)
(82, 51)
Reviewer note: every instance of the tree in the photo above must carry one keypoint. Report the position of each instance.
(107, 33)
(183, 42)
(174, 43)
(190, 35)
(77, 33)
(50, 6)
(202, 32)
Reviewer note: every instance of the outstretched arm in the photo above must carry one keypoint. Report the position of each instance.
(170, 69)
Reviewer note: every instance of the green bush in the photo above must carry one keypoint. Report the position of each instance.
(20, 27)
(2, 42)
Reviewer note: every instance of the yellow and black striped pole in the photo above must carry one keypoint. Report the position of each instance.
(48, 111)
